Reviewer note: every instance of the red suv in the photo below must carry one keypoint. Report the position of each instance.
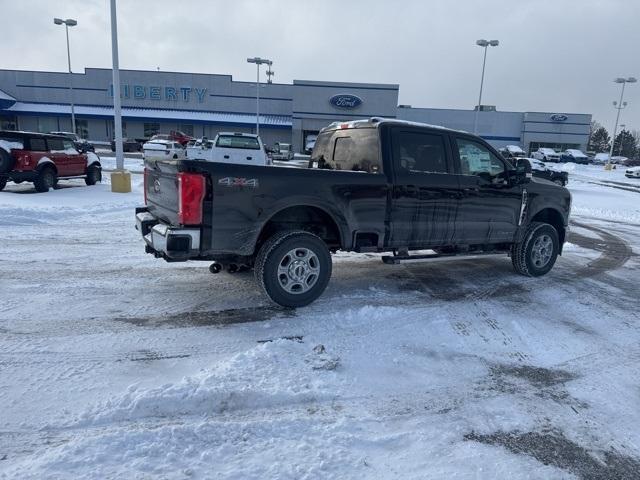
(43, 159)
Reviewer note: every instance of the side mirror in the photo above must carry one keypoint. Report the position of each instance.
(522, 171)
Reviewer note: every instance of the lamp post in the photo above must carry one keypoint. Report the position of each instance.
(258, 61)
(69, 22)
(120, 178)
(484, 44)
(618, 106)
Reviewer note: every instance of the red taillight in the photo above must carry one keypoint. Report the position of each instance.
(191, 190)
(144, 187)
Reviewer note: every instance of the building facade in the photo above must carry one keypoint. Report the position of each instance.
(205, 104)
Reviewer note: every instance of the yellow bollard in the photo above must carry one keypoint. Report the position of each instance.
(607, 166)
(121, 181)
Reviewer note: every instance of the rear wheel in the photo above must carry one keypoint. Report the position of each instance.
(45, 180)
(94, 175)
(293, 268)
(538, 251)
(6, 161)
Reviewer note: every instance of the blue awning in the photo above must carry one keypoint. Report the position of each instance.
(6, 100)
(194, 116)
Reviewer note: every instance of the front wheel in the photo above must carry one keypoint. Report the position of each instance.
(538, 251)
(293, 268)
(46, 180)
(94, 175)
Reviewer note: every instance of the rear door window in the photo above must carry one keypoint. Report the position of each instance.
(419, 152)
(55, 144)
(37, 144)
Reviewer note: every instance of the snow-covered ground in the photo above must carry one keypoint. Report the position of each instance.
(114, 364)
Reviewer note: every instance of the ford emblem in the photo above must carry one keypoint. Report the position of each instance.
(558, 117)
(345, 100)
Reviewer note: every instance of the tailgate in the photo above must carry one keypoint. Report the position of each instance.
(161, 189)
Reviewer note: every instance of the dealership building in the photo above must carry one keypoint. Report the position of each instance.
(204, 104)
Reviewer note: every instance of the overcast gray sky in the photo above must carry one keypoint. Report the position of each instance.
(554, 55)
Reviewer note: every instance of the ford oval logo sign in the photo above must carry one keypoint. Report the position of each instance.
(558, 117)
(345, 100)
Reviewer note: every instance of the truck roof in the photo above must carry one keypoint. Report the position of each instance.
(374, 122)
(239, 134)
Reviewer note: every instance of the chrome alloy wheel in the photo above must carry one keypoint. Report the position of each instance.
(542, 251)
(298, 271)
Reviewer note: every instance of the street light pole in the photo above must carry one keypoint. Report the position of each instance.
(485, 44)
(69, 22)
(120, 178)
(258, 61)
(619, 106)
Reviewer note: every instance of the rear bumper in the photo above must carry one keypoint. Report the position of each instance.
(174, 244)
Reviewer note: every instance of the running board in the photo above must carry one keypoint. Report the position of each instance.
(436, 257)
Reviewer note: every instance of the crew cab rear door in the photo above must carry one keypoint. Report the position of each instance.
(423, 204)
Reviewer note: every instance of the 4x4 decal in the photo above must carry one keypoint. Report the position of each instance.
(238, 182)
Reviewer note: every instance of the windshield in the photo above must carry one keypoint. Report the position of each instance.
(238, 141)
(547, 150)
(576, 153)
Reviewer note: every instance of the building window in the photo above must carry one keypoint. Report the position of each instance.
(186, 128)
(47, 124)
(8, 123)
(82, 128)
(150, 129)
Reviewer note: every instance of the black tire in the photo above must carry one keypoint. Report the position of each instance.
(313, 272)
(3, 183)
(46, 180)
(94, 175)
(6, 161)
(538, 251)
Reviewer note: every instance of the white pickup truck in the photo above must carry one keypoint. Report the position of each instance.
(229, 147)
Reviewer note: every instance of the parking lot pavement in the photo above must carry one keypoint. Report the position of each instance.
(116, 364)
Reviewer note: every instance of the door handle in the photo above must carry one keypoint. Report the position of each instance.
(226, 156)
(249, 158)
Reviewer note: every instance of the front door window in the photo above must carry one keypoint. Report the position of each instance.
(476, 159)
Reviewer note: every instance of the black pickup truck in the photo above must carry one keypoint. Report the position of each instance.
(375, 185)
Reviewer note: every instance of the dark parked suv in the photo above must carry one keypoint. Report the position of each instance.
(44, 159)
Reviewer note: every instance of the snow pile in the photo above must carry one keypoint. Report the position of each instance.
(68, 151)
(178, 429)
(92, 158)
(6, 145)
(274, 373)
